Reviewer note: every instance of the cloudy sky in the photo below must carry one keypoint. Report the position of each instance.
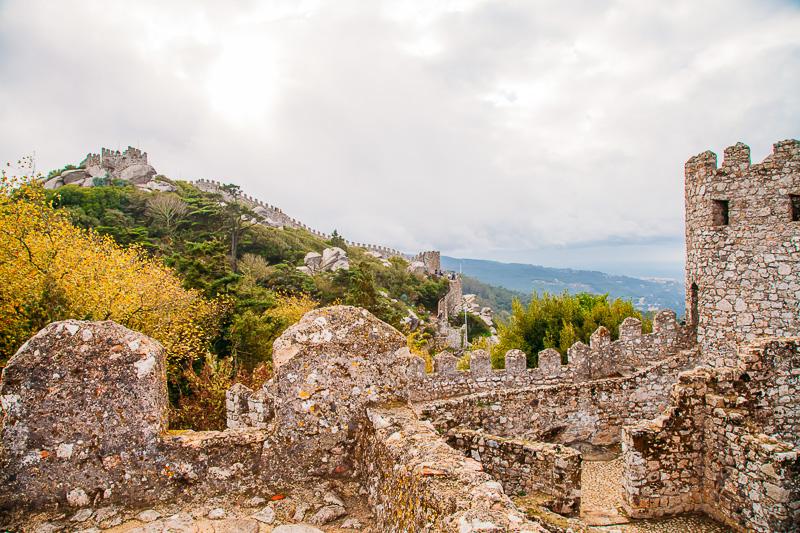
(544, 132)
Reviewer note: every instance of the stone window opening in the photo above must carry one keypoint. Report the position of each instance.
(719, 213)
(794, 205)
(694, 305)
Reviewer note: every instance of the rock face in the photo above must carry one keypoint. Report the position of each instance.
(331, 260)
(138, 174)
(417, 267)
(328, 368)
(49, 429)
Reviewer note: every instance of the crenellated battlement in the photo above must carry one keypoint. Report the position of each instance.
(114, 160)
(742, 247)
(275, 217)
(602, 358)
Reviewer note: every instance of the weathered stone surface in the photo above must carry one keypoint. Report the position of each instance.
(296, 528)
(416, 482)
(81, 397)
(327, 514)
(85, 418)
(313, 260)
(526, 467)
(746, 272)
(138, 173)
(329, 367)
(331, 259)
(265, 515)
(727, 444)
(73, 176)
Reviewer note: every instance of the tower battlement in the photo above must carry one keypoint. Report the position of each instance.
(742, 247)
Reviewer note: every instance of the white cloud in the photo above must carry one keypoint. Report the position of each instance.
(488, 129)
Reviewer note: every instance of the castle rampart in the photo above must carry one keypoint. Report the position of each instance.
(525, 467)
(564, 412)
(726, 445)
(602, 358)
(742, 248)
(275, 217)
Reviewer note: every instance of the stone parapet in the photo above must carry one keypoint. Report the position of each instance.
(566, 412)
(416, 482)
(525, 467)
(600, 359)
(727, 444)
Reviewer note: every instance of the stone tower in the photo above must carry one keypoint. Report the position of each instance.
(742, 248)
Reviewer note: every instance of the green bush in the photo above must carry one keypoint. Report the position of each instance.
(558, 321)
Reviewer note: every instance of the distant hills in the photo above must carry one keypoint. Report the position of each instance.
(646, 294)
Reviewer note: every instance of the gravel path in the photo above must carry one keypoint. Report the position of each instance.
(601, 501)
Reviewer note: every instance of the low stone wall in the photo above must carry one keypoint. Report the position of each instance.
(592, 411)
(416, 482)
(727, 444)
(602, 358)
(84, 407)
(525, 467)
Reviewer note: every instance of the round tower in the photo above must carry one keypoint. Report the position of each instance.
(742, 248)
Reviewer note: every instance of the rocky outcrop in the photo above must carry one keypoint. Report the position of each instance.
(130, 165)
(138, 174)
(330, 260)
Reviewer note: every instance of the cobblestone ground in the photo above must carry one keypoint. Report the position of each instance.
(601, 499)
(328, 507)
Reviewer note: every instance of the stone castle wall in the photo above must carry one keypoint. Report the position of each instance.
(727, 445)
(432, 260)
(601, 358)
(742, 248)
(114, 160)
(525, 467)
(566, 413)
(451, 303)
(416, 482)
(85, 408)
(275, 217)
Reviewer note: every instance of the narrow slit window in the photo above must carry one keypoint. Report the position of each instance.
(719, 213)
(794, 201)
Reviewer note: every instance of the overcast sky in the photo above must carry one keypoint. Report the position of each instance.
(552, 133)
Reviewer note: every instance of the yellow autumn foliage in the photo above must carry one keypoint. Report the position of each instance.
(52, 270)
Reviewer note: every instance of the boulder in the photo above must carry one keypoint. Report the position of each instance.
(138, 174)
(74, 176)
(330, 256)
(158, 185)
(96, 171)
(341, 264)
(313, 260)
(53, 183)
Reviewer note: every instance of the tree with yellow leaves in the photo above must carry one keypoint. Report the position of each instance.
(52, 270)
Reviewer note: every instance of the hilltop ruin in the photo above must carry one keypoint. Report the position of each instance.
(707, 412)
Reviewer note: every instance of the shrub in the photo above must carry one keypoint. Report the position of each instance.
(558, 321)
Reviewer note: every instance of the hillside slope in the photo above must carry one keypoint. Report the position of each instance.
(646, 294)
